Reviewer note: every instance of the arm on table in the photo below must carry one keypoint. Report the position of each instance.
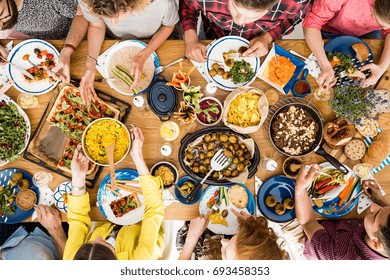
(371, 189)
(50, 218)
(303, 209)
(76, 34)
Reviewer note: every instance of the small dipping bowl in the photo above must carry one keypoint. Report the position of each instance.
(301, 87)
(288, 163)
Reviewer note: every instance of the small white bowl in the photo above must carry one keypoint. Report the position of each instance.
(220, 113)
(84, 135)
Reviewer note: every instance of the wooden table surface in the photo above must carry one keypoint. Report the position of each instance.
(168, 52)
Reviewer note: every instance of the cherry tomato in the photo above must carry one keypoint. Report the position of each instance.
(123, 202)
(39, 56)
(216, 193)
(50, 56)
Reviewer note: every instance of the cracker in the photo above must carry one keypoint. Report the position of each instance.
(355, 149)
(368, 127)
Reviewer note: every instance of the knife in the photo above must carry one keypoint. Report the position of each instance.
(19, 68)
(346, 205)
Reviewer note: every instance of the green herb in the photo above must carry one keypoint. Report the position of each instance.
(76, 99)
(7, 196)
(241, 72)
(345, 60)
(352, 103)
(13, 130)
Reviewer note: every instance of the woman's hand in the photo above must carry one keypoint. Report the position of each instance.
(79, 163)
(376, 72)
(196, 50)
(241, 215)
(136, 68)
(306, 176)
(86, 88)
(137, 142)
(198, 225)
(4, 54)
(62, 67)
(258, 46)
(326, 78)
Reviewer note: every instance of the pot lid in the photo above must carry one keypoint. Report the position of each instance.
(162, 99)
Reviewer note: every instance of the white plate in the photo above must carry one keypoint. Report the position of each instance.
(8, 100)
(104, 197)
(15, 56)
(117, 47)
(215, 51)
(231, 219)
(336, 191)
(63, 188)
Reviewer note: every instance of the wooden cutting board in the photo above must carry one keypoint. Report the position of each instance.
(384, 82)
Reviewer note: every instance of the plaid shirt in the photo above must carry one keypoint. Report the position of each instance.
(218, 22)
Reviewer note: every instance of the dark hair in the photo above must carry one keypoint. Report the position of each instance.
(384, 236)
(259, 5)
(382, 9)
(10, 22)
(110, 8)
(94, 251)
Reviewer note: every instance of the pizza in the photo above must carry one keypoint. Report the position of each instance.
(64, 163)
(39, 71)
(124, 205)
(70, 114)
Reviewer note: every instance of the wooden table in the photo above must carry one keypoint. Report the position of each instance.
(168, 52)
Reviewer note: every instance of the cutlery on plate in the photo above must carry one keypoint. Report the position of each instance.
(161, 68)
(346, 205)
(218, 162)
(19, 68)
(46, 68)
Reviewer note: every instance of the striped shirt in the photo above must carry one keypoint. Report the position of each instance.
(340, 240)
(218, 21)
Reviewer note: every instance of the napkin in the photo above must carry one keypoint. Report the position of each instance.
(200, 65)
(3, 69)
(258, 184)
(102, 60)
(168, 198)
(312, 66)
(45, 198)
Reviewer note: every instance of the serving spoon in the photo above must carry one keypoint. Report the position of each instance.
(110, 149)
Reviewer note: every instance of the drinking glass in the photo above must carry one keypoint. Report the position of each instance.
(42, 179)
(323, 94)
(169, 130)
(27, 100)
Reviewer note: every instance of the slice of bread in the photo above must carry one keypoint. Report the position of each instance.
(362, 52)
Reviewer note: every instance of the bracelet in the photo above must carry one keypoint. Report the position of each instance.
(93, 58)
(81, 188)
(73, 48)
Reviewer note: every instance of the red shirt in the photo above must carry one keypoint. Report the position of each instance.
(340, 240)
(218, 22)
(349, 17)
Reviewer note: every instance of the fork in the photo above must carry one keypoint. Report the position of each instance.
(218, 162)
(161, 68)
(46, 68)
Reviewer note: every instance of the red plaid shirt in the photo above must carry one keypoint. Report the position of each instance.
(218, 22)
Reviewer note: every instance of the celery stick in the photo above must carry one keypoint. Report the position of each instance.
(120, 76)
(227, 200)
(127, 73)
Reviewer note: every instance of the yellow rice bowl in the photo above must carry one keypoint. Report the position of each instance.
(102, 133)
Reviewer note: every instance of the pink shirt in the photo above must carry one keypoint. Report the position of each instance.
(349, 17)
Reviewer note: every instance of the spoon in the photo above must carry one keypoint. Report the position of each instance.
(110, 154)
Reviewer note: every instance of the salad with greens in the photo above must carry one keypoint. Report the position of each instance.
(13, 129)
(241, 72)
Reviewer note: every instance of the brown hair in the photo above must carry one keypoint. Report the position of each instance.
(259, 5)
(110, 8)
(382, 9)
(94, 251)
(255, 241)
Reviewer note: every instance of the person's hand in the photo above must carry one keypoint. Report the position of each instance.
(4, 54)
(198, 225)
(258, 46)
(373, 191)
(79, 163)
(62, 67)
(137, 142)
(326, 78)
(136, 68)
(196, 50)
(49, 217)
(376, 72)
(241, 215)
(86, 88)
(306, 176)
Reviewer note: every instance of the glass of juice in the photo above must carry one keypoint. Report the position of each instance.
(169, 130)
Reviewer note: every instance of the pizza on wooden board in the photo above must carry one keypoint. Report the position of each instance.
(70, 114)
(64, 163)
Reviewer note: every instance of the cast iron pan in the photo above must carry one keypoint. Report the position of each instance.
(252, 169)
(318, 141)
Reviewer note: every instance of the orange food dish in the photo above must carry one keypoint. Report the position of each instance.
(280, 71)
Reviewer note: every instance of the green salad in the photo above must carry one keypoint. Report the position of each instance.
(13, 131)
(241, 72)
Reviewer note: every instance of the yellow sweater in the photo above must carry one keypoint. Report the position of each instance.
(141, 241)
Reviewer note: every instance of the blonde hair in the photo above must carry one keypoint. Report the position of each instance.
(110, 8)
(255, 241)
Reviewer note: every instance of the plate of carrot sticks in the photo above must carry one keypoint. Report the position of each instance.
(181, 76)
(331, 190)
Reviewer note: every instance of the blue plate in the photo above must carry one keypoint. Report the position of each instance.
(231, 218)
(20, 215)
(344, 44)
(105, 196)
(180, 197)
(281, 187)
(63, 188)
(297, 62)
(16, 56)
